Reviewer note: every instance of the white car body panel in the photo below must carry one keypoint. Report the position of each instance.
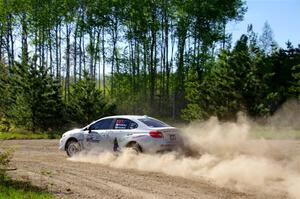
(104, 139)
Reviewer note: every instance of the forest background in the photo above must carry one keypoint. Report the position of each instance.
(68, 62)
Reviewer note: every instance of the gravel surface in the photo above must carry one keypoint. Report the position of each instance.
(40, 162)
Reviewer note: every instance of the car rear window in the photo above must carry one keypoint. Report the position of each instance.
(153, 122)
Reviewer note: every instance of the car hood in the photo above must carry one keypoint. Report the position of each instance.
(72, 131)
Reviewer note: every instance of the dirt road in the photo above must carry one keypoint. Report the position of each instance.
(40, 162)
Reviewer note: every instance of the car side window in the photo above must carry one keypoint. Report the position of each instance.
(125, 124)
(102, 124)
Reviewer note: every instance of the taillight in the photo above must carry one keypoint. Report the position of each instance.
(156, 134)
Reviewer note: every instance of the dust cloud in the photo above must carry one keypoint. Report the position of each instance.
(222, 154)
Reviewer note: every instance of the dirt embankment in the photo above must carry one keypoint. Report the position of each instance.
(40, 162)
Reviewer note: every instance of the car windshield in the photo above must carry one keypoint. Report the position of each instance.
(153, 122)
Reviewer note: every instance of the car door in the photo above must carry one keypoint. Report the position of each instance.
(122, 128)
(97, 135)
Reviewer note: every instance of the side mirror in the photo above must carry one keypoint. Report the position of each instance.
(90, 129)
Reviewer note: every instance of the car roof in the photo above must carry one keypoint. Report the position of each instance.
(131, 117)
(126, 116)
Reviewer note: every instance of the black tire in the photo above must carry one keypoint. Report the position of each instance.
(135, 147)
(72, 148)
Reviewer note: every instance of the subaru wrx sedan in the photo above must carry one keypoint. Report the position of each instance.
(114, 133)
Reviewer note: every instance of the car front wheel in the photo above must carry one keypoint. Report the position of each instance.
(72, 148)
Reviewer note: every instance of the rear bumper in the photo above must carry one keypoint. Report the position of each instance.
(157, 146)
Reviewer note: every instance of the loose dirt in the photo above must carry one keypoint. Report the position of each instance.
(40, 162)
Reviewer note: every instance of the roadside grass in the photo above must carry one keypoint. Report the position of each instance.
(12, 189)
(17, 189)
(18, 135)
(28, 135)
(279, 134)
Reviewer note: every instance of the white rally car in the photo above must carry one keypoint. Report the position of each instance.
(141, 133)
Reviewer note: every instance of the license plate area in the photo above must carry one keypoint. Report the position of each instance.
(172, 137)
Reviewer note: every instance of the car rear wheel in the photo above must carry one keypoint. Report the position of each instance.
(135, 147)
(72, 148)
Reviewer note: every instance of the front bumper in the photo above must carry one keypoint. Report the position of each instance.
(62, 143)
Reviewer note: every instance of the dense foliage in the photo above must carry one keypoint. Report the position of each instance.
(244, 79)
(66, 61)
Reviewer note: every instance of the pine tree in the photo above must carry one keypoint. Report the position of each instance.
(88, 103)
(35, 98)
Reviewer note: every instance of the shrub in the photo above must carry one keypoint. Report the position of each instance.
(4, 125)
(5, 158)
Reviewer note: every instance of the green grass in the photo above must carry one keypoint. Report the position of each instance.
(10, 189)
(28, 135)
(16, 135)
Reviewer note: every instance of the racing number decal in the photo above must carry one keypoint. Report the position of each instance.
(93, 137)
